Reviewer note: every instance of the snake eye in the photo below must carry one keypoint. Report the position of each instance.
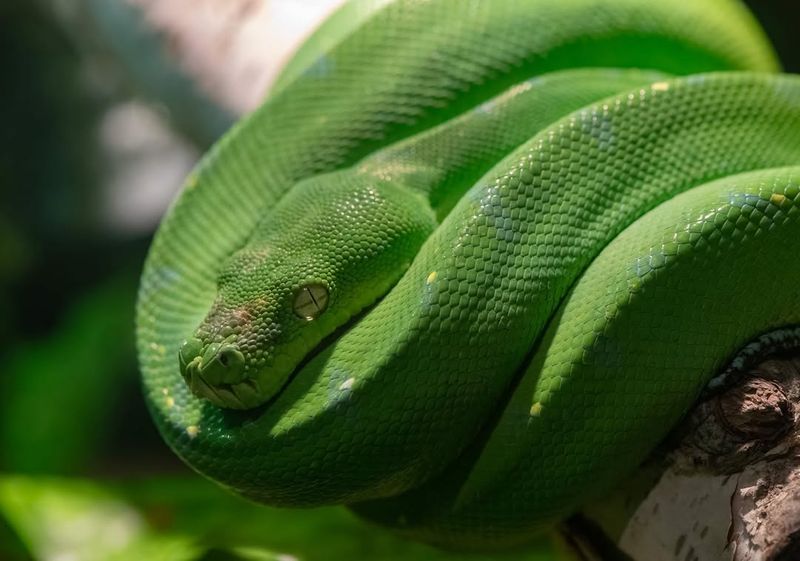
(310, 301)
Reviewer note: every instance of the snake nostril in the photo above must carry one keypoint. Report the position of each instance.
(230, 358)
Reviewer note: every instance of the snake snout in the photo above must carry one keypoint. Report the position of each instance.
(190, 349)
(213, 364)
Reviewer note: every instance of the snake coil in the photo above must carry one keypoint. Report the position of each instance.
(465, 269)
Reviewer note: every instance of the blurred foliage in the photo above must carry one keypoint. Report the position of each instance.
(182, 518)
(154, 73)
(48, 119)
(67, 284)
(45, 168)
(66, 378)
(73, 426)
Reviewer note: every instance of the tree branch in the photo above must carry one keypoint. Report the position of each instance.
(727, 484)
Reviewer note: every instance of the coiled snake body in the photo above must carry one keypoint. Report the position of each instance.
(466, 269)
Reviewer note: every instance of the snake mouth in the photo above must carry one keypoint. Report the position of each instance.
(242, 395)
(216, 372)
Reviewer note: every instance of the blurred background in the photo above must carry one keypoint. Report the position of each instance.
(92, 149)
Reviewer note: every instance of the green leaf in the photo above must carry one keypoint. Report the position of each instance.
(186, 519)
(83, 521)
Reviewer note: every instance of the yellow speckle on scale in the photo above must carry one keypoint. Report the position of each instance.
(192, 431)
(347, 384)
(191, 181)
(165, 391)
(170, 402)
(777, 199)
(660, 86)
(160, 349)
(536, 409)
(431, 278)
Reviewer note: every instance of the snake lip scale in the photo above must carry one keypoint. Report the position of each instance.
(470, 261)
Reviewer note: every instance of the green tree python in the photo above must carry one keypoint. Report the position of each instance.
(470, 262)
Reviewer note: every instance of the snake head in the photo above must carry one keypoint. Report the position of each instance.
(330, 248)
(258, 329)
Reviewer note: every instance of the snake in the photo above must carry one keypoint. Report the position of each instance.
(471, 261)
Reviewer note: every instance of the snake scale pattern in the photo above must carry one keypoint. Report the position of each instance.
(471, 260)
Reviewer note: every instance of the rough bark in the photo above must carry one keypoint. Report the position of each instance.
(726, 486)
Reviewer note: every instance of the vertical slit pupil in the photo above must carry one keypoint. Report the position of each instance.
(310, 301)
